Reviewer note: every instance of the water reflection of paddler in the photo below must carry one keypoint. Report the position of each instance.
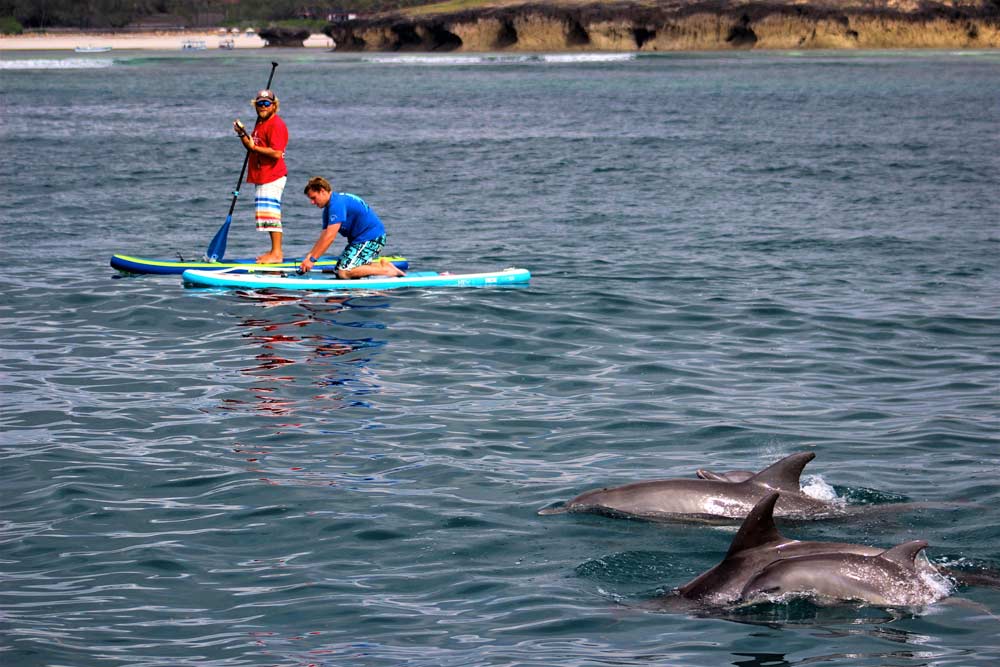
(352, 217)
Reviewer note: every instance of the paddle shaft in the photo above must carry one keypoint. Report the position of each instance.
(246, 158)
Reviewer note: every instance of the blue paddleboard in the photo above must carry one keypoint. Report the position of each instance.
(312, 281)
(130, 264)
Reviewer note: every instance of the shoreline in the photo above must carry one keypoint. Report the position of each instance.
(141, 41)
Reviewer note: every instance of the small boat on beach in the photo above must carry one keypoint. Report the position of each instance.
(92, 49)
(193, 45)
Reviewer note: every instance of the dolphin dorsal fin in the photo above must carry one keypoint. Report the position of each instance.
(784, 475)
(904, 554)
(758, 528)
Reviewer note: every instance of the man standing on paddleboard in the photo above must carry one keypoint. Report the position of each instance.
(352, 217)
(266, 169)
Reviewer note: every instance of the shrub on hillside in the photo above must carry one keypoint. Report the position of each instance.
(10, 26)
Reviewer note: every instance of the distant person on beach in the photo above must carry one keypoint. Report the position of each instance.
(266, 169)
(352, 217)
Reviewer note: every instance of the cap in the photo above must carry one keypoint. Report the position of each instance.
(266, 95)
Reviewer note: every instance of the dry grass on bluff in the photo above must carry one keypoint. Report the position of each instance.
(672, 25)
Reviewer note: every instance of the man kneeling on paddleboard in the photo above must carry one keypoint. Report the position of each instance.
(351, 216)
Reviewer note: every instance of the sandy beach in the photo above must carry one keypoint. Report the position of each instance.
(158, 41)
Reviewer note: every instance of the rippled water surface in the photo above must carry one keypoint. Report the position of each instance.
(734, 258)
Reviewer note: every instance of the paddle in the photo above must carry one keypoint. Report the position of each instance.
(217, 248)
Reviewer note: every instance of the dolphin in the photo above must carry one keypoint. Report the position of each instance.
(757, 545)
(891, 578)
(704, 499)
(728, 476)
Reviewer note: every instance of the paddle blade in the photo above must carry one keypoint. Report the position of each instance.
(217, 248)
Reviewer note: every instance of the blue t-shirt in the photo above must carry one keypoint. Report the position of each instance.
(357, 220)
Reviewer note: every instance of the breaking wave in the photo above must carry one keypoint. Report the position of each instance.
(817, 487)
(487, 59)
(60, 63)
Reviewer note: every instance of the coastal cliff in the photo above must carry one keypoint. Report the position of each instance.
(279, 36)
(682, 26)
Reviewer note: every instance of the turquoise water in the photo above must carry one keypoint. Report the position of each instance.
(735, 257)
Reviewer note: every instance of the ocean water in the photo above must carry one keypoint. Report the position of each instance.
(735, 257)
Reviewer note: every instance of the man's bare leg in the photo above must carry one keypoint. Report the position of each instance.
(275, 254)
(380, 267)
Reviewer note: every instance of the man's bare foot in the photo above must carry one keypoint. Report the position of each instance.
(392, 269)
(270, 258)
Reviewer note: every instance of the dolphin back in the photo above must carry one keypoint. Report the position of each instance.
(889, 578)
(728, 476)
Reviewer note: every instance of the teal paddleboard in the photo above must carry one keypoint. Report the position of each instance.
(314, 281)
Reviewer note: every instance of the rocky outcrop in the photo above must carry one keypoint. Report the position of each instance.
(674, 25)
(278, 36)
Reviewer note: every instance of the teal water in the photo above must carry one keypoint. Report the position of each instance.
(735, 257)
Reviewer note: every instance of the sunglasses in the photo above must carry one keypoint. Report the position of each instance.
(264, 103)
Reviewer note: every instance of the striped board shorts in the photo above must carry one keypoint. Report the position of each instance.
(267, 205)
(363, 252)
